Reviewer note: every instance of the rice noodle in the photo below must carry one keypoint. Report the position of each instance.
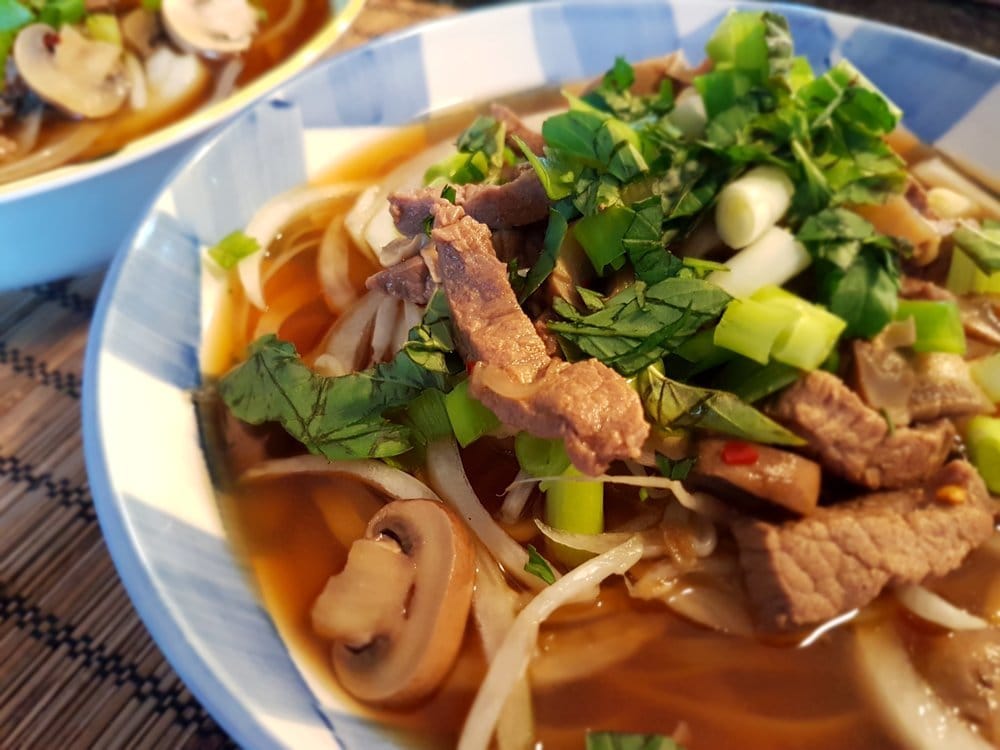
(447, 476)
(395, 483)
(906, 704)
(225, 82)
(27, 134)
(515, 499)
(652, 541)
(56, 152)
(513, 657)
(927, 605)
(271, 218)
(494, 607)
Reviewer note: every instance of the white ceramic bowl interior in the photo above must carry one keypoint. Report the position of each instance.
(147, 471)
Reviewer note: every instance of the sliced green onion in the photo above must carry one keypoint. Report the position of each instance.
(750, 205)
(752, 328)
(938, 323)
(601, 235)
(540, 457)
(233, 248)
(812, 336)
(470, 420)
(982, 437)
(986, 372)
(576, 507)
(774, 258)
(965, 277)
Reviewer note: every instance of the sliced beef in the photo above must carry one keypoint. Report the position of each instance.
(854, 441)
(963, 668)
(586, 404)
(771, 474)
(410, 280)
(516, 203)
(840, 557)
(515, 126)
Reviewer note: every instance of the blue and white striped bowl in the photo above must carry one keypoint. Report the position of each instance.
(147, 469)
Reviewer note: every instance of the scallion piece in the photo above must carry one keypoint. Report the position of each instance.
(752, 328)
(812, 335)
(965, 277)
(470, 420)
(986, 372)
(939, 325)
(982, 437)
(576, 507)
(104, 28)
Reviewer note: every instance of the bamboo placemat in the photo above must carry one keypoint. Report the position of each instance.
(77, 667)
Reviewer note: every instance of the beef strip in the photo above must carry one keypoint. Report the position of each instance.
(963, 668)
(410, 280)
(516, 203)
(586, 404)
(854, 441)
(840, 557)
(777, 476)
(516, 126)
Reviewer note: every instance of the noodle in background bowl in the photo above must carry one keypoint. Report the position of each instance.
(150, 482)
(72, 219)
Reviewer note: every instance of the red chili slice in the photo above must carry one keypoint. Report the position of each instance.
(738, 453)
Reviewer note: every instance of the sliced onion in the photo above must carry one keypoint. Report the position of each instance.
(494, 607)
(349, 338)
(395, 483)
(927, 605)
(269, 220)
(384, 329)
(513, 657)
(138, 94)
(332, 262)
(515, 499)
(225, 82)
(447, 475)
(907, 706)
(652, 542)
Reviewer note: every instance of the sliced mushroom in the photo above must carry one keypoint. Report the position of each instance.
(210, 26)
(397, 611)
(83, 76)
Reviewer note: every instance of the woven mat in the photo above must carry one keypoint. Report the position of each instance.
(77, 667)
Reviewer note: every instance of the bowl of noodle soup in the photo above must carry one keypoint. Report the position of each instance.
(71, 185)
(226, 579)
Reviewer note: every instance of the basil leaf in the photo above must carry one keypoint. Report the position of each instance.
(672, 405)
(342, 417)
(555, 233)
(672, 469)
(641, 324)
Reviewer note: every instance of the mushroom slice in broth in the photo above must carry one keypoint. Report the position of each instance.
(210, 27)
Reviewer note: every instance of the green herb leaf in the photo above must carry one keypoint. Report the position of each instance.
(640, 324)
(673, 405)
(14, 15)
(555, 233)
(342, 417)
(672, 469)
(856, 268)
(59, 12)
(233, 248)
(537, 566)
(480, 158)
(626, 741)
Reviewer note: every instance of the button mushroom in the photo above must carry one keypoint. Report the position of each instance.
(82, 76)
(397, 611)
(210, 26)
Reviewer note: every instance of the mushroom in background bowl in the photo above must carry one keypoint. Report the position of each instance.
(100, 100)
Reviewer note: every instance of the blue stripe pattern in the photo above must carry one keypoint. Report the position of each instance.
(153, 321)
